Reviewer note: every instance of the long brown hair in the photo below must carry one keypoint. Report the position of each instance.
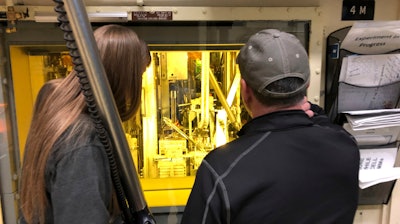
(125, 58)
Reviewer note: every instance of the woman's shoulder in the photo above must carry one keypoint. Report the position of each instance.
(81, 135)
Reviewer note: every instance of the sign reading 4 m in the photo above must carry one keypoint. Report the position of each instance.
(358, 9)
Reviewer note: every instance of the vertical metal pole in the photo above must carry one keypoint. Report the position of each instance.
(8, 163)
(8, 183)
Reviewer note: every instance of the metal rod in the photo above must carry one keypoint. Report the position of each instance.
(223, 101)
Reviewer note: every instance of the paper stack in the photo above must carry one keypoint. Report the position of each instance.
(375, 127)
(372, 119)
(377, 166)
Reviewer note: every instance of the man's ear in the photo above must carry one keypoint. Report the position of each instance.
(247, 96)
(245, 91)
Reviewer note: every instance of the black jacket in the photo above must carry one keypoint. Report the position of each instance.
(283, 168)
(78, 180)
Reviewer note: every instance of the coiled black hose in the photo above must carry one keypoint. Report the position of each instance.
(92, 108)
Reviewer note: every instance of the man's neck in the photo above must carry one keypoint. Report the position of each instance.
(262, 110)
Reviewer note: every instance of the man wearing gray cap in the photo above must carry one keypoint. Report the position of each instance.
(289, 164)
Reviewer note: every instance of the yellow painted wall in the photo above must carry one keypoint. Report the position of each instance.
(167, 191)
(1, 215)
(22, 92)
(27, 75)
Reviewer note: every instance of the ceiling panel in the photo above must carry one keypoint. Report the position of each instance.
(215, 3)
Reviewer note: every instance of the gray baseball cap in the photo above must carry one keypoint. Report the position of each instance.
(271, 55)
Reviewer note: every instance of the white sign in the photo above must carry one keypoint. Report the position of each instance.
(373, 37)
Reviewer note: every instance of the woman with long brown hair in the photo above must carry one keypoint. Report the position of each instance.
(65, 174)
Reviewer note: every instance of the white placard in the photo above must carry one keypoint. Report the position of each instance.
(373, 37)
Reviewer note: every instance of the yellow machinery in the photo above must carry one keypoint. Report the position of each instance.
(190, 105)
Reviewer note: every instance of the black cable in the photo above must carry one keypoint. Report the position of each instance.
(92, 108)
